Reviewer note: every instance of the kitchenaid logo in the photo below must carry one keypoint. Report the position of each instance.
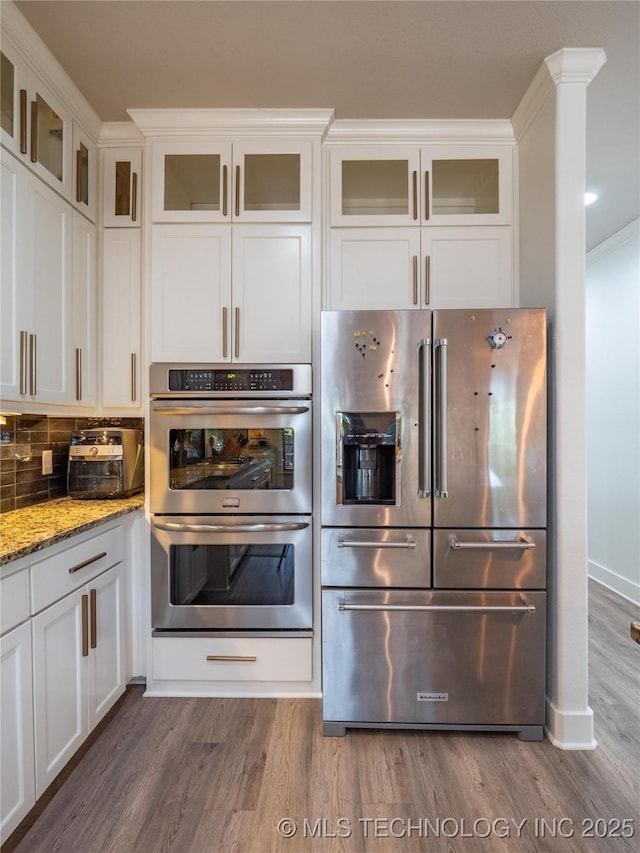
(433, 697)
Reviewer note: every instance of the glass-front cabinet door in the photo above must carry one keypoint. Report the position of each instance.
(215, 181)
(84, 173)
(375, 186)
(463, 185)
(121, 187)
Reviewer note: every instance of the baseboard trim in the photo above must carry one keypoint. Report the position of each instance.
(570, 730)
(616, 583)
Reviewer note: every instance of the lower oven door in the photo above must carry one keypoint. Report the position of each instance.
(449, 658)
(213, 573)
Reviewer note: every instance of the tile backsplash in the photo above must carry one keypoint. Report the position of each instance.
(22, 440)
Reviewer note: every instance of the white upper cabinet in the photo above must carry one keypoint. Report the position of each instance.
(427, 185)
(85, 173)
(222, 181)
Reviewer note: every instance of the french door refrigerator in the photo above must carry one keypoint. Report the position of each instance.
(433, 519)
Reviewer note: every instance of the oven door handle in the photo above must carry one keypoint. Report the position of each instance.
(275, 527)
(195, 409)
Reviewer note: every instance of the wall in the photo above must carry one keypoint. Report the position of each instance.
(613, 411)
(22, 440)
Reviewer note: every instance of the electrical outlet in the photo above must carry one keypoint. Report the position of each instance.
(47, 461)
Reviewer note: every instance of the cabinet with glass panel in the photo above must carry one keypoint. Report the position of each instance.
(224, 181)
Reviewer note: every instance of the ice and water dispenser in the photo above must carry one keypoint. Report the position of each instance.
(368, 444)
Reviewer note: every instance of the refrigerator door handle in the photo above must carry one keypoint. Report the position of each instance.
(525, 607)
(523, 544)
(440, 420)
(424, 403)
(408, 543)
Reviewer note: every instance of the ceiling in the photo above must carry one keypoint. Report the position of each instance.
(363, 58)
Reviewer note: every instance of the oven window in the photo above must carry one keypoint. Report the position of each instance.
(238, 459)
(232, 574)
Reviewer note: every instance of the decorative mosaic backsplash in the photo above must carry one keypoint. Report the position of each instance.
(22, 440)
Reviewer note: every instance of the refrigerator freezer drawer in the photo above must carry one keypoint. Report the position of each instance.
(454, 659)
(489, 559)
(375, 557)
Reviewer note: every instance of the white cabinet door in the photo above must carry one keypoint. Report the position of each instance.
(467, 185)
(106, 680)
(13, 126)
(121, 331)
(375, 185)
(60, 645)
(17, 782)
(85, 173)
(191, 293)
(17, 287)
(469, 267)
(374, 268)
(121, 187)
(50, 136)
(50, 337)
(272, 293)
(272, 180)
(84, 311)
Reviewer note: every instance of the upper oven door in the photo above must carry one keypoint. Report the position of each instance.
(230, 456)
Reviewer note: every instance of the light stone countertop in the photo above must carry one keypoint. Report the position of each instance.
(26, 531)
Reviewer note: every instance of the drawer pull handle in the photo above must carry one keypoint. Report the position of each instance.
(93, 616)
(349, 543)
(241, 658)
(440, 608)
(522, 544)
(87, 562)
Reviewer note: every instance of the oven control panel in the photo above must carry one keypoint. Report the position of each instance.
(237, 379)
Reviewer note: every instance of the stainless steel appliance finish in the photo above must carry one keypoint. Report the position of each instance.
(434, 554)
(219, 573)
(230, 440)
(105, 463)
(231, 497)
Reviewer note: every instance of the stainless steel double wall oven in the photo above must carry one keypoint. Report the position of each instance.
(230, 497)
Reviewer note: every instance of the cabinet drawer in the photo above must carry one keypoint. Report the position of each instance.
(361, 556)
(232, 659)
(489, 559)
(60, 574)
(14, 600)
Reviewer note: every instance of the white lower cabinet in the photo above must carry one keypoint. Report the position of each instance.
(209, 661)
(17, 788)
(78, 669)
(435, 267)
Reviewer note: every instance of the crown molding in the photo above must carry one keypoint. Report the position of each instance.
(120, 133)
(238, 122)
(611, 244)
(412, 131)
(569, 65)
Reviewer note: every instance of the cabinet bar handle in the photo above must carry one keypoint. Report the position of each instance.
(237, 190)
(33, 156)
(134, 196)
(426, 195)
(88, 562)
(224, 191)
(93, 611)
(224, 332)
(33, 367)
(133, 378)
(236, 342)
(78, 373)
(522, 544)
(352, 543)
(427, 279)
(85, 626)
(415, 279)
(415, 195)
(242, 658)
(78, 168)
(24, 337)
(23, 121)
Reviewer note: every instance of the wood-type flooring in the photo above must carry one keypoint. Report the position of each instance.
(202, 775)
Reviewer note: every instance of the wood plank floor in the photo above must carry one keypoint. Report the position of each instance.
(201, 775)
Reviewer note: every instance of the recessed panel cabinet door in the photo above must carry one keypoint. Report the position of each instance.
(272, 293)
(106, 681)
(191, 293)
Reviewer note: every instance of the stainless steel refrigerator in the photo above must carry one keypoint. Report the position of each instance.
(433, 519)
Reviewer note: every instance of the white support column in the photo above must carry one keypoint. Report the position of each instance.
(551, 125)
